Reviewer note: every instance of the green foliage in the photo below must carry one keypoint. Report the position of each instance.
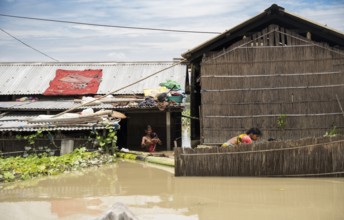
(332, 132)
(31, 139)
(281, 121)
(108, 140)
(19, 168)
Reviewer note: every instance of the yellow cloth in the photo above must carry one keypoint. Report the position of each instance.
(226, 144)
(239, 138)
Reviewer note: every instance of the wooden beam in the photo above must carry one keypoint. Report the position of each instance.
(168, 130)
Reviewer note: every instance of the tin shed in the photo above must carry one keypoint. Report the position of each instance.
(18, 80)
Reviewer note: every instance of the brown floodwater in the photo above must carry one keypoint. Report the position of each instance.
(152, 192)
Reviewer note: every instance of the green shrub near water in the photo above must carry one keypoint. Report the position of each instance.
(19, 168)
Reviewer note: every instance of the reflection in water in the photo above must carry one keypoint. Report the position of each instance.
(151, 193)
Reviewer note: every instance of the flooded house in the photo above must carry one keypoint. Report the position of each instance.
(51, 88)
(276, 71)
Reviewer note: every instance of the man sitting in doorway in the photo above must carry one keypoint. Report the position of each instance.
(150, 139)
(251, 135)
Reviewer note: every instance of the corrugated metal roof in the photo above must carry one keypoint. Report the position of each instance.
(24, 126)
(34, 78)
(19, 123)
(49, 105)
(63, 105)
(16, 117)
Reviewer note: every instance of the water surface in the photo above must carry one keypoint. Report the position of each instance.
(152, 192)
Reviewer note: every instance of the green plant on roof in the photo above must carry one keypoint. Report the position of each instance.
(282, 121)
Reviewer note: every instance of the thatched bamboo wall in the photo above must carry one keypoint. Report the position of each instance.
(268, 74)
(305, 157)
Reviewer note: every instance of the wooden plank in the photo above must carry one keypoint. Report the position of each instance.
(289, 38)
(265, 41)
(259, 39)
(282, 36)
(277, 37)
(271, 35)
(168, 130)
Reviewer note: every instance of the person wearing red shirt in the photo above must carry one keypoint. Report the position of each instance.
(251, 135)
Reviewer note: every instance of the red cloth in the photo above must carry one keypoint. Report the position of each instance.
(246, 139)
(151, 148)
(75, 82)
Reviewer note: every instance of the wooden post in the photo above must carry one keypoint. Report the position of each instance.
(168, 130)
(201, 124)
(67, 146)
(309, 36)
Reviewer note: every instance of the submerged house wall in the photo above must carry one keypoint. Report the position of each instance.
(276, 71)
(274, 76)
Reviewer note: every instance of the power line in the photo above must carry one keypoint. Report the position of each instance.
(28, 45)
(111, 26)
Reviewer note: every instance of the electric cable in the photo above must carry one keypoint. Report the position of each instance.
(28, 45)
(110, 26)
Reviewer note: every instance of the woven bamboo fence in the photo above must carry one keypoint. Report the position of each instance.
(268, 74)
(294, 158)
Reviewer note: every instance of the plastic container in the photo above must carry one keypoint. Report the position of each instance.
(177, 99)
(155, 91)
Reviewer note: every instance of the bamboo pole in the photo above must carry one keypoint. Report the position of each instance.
(289, 60)
(272, 115)
(112, 100)
(275, 88)
(267, 103)
(94, 116)
(340, 105)
(147, 158)
(272, 75)
(3, 114)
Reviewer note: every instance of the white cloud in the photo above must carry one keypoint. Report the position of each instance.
(120, 56)
(332, 16)
(78, 42)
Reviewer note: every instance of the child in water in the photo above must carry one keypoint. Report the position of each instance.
(251, 135)
(150, 140)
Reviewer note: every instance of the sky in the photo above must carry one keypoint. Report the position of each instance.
(73, 43)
